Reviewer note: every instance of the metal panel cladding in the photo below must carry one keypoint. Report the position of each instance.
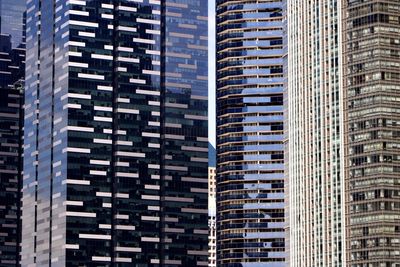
(315, 163)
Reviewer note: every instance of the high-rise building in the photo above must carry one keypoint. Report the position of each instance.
(314, 131)
(250, 178)
(212, 235)
(12, 42)
(212, 209)
(372, 87)
(12, 69)
(115, 169)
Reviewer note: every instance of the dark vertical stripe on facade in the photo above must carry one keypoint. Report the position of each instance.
(162, 128)
(114, 138)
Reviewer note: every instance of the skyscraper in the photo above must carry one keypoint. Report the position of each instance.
(115, 170)
(212, 209)
(12, 59)
(315, 162)
(372, 87)
(12, 42)
(250, 180)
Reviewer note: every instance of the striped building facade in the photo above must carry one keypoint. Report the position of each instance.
(314, 132)
(115, 170)
(372, 89)
(250, 166)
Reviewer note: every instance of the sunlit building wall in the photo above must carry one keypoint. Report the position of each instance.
(314, 131)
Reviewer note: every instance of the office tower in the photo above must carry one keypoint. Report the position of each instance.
(250, 179)
(315, 165)
(212, 209)
(12, 57)
(115, 170)
(372, 85)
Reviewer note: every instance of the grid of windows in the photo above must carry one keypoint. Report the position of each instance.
(372, 52)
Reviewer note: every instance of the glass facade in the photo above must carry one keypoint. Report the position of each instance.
(314, 131)
(250, 180)
(12, 20)
(372, 75)
(12, 42)
(12, 56)
(116, 134)
(11, 121)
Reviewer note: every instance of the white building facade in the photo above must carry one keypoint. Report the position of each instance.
(314, 132)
